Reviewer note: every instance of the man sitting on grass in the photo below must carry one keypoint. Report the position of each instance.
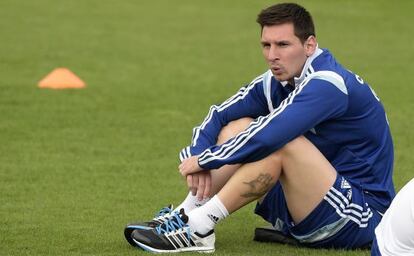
(308, 139)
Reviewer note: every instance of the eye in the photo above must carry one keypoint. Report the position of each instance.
(265, 45)
(282, 44)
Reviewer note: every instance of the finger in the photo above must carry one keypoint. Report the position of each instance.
(183, 169)
(208, 187)
(195, 184)
(190, 183)
(184, 173)
(182, 163)
(201, 187)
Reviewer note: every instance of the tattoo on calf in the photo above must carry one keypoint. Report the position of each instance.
(259, 186)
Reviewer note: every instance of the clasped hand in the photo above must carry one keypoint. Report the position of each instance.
(198, 180)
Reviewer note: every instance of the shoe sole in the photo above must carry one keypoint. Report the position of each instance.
(185, 249)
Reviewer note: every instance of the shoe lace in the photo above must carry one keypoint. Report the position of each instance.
(172, 224)
(163, 211)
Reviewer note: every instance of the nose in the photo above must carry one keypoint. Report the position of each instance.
(273, 53)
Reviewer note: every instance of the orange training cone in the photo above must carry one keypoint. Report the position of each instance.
(61, 78)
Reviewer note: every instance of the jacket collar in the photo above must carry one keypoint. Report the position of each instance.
(307, 69)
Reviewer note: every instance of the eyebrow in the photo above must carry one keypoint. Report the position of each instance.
(275, 42)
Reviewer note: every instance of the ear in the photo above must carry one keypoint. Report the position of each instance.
(310, 45)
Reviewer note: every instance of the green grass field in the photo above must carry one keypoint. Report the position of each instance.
(77, 165)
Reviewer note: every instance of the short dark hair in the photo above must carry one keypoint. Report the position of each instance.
(288, 13)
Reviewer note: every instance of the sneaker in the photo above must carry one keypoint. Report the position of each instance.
(159, 218)
(174, 235)
(271, 235)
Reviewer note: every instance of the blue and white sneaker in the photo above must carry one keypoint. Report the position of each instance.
(159, 218)
(174, 235)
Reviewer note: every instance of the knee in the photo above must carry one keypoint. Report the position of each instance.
(275, 159)
(233, 128)
(293, 145)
